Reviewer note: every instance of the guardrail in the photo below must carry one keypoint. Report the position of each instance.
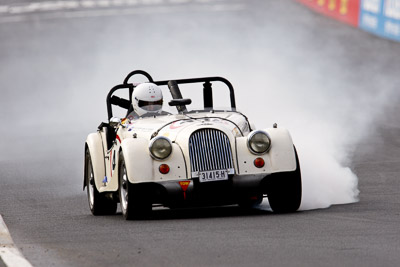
(380, 17)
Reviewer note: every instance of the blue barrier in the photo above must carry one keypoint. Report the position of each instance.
(381, 17)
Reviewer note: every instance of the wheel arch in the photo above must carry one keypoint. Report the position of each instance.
(282, 152)
(94, 146)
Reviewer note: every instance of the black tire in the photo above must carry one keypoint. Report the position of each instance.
(99, 204)
(284, 190)
(134, 204)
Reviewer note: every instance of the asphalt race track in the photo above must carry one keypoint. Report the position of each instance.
(58, 65)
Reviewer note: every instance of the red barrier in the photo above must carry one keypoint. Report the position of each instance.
(344, 10)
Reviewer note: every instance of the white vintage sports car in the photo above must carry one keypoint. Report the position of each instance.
(192, 158)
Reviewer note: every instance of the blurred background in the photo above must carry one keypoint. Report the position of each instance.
(326, 70)
(326, 82)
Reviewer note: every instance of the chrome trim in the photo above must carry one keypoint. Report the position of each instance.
(114, 122)
(152, 142)
(251, 136)
(210, 149)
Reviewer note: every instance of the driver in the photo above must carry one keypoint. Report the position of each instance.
(147, 99)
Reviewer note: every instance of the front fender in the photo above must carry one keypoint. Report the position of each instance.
(137, 159)
(95, 146)
(280, 157)
(141, 167)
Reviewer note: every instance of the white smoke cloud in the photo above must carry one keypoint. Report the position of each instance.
(327, 111)
(323, 130)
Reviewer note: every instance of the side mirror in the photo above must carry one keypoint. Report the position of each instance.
(180, 102)
(114, 122)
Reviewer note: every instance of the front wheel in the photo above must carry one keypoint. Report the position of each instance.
(284, 190)
(134, 204)
(99, 204)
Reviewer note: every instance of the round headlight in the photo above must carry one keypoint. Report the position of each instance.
(160, 147)
(259, 142)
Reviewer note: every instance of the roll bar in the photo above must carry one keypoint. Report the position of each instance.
(173, 85)
(142, 72)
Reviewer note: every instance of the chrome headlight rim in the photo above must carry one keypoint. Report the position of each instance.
(249, 138)
(154, 140)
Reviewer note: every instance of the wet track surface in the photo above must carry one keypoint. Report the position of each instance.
(54, 76)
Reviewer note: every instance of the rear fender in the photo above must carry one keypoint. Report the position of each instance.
(95, 146)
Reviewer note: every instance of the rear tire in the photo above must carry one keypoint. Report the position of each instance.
(284, 190)
(134, 204)
(99, 204)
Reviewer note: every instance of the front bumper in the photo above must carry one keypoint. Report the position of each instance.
(180, 193)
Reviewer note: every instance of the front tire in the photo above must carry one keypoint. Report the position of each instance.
(284, 190)
(99, 204)
(134, 204)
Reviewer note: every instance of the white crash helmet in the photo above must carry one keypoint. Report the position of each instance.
(147, 98)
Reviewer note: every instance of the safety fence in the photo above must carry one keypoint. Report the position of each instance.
(380, 17)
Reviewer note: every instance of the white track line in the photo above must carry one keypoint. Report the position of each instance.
(10, 255)
(51, 6)
(141, 10)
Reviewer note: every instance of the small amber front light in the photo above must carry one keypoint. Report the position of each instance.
(259, 162)
(164, 168)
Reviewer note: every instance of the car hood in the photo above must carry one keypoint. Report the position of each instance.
(174, 126)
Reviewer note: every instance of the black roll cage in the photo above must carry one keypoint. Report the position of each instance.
(173, 87)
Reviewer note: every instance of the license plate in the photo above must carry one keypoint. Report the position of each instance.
(209, 176)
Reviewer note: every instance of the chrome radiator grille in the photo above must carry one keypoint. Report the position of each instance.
(209, 149)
